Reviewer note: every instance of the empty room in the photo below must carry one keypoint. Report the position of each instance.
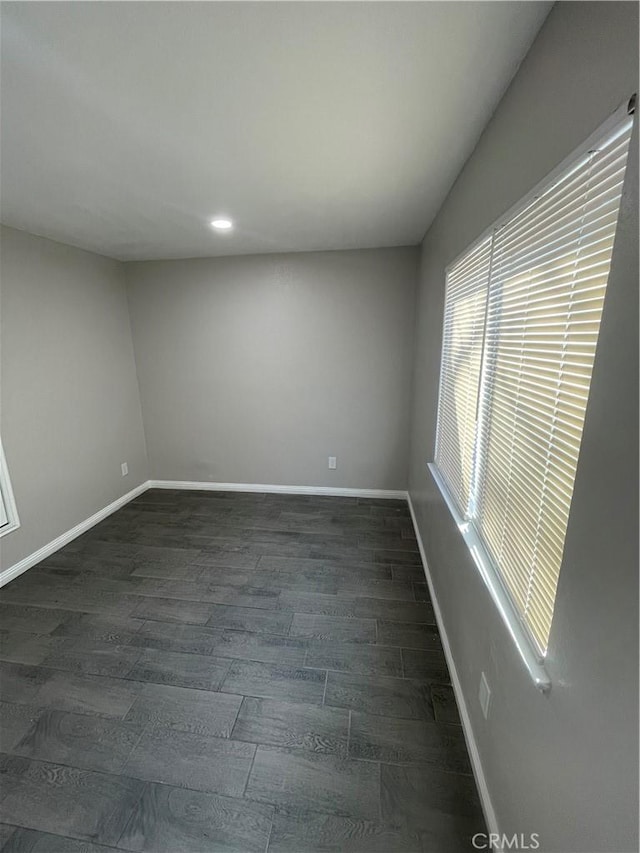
(319, 427)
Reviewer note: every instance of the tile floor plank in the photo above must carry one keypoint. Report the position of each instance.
(250, 619)
(409, 793)
(19, 647)
(352, 657)
(172, 610)
(320, 833)
(99, 629)
(69, 801)
(386, 697)
(15, 722)
(299, 779)
(20, 682)
(275, 681)
(35, 620)
(188, 760)
(333, 628)
(427, 664)
(87, 694)
(167, 820)
(392, 740)
(443, 700)
(93, 743)
(186, 710)
(32, 841)
(291, 725)
(6, 832)
(267, 648)
(409, 635)
(176, 638)
(91, 658)
(202, 672)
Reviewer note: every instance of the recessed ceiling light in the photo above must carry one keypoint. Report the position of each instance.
(222, 224)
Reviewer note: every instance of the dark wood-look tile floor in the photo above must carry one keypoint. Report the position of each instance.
(206, 671)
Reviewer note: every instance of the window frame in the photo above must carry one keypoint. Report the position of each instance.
(531, 656)
(8, 500)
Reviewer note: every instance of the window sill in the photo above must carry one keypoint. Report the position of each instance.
(9, 528)
(529, 654)
(8, 508)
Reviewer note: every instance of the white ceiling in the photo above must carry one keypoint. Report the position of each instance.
(127, 126)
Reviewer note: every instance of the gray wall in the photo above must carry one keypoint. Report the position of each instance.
(563, 765)
(255, 369)
(70, 410)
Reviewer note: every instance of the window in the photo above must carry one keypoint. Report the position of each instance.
(8, 514)
(521, 321)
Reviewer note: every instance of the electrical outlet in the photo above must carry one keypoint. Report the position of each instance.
(484, 695)
(125, 469)
(333, 462)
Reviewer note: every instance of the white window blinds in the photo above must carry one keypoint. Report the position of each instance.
(464, 321)
(522, 316)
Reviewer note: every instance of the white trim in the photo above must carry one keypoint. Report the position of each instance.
(8, 500)
(472, 746)
(383, 494)
(490, 575)
(62, 540)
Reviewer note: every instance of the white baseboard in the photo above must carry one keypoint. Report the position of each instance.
(384, 494)
(62, 540)
(472, 747)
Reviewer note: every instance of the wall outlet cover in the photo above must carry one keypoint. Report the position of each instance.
(333, 462)
(124, 468)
